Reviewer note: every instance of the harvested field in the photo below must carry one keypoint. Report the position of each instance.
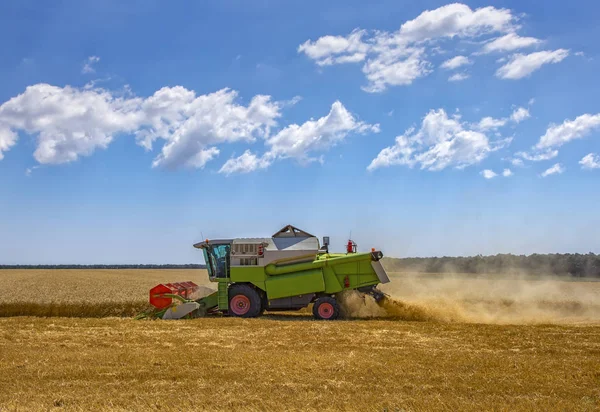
(294, 363)
(451, 343)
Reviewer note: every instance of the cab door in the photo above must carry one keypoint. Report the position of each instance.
(220, 260)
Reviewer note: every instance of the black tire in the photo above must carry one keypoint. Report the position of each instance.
(245, 294)
(265, 302)
(326, 308)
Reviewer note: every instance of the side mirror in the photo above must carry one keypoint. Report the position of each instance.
(325, 240)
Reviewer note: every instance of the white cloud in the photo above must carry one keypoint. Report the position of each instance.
(557, 135)
(456, 20)
(556, 169)
(391, 70)
(456, 62)
(297, 141)
(440, 142)
(246, 163)
(301, 141)
(488, 174)
(30, 170)
(8, 138)
(509, 42)
(457, 77)
(294, 100)
(192, 125)
(198, 160)
(537, 155)
(400, 57)
(71, 122)
(489, 123)
(446, 142)
(519, 115)
(522, 65)
(590, 161)
(516, 162)
(88, 65)
(68, 122)
(329, 50)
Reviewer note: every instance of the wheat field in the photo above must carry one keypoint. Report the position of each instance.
(451, 344)
(84, 293)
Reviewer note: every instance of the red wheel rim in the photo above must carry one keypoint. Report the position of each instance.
(239, 305)
(325, 310)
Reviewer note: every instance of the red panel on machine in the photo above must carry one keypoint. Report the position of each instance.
(158, 292)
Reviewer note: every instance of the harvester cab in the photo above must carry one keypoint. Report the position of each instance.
(217, 255)
(287, 271)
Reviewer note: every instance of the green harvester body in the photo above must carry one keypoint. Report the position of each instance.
(286, 272)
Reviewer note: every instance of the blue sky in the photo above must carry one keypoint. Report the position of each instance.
(130, 130)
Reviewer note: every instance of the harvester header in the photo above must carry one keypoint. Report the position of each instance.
(287, 271)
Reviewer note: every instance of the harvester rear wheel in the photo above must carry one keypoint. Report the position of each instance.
(326, 308)
(244, 301)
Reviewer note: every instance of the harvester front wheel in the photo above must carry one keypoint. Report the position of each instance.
(326, 308)
(244, 301)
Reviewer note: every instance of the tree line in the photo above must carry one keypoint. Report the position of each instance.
(566, 264)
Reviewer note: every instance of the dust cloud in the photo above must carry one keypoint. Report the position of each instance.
(490, 299)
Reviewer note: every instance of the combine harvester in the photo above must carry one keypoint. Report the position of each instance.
(288, 271)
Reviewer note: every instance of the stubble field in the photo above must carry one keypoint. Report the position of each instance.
(451, 343)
